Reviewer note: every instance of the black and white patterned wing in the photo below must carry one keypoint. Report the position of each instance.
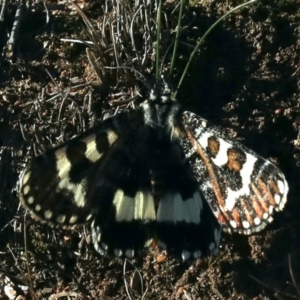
(99, 177)
(55, 186)
(242, 188)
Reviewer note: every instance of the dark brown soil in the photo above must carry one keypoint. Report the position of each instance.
(246, 79)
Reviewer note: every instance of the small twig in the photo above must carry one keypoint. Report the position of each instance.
(125, 281)
(47, 12)
(29, 282)
(292, 275)
(49, 74)
(61, 106)
(272, 288)
(187, 296)
(15, 30)
(177, 36)
(132, 35)
(87, 43)
(4, 2)
(23, 133)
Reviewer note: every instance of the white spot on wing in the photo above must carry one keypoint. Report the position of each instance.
(118, 252)
(277, 198)
(141, 207)
(202, 137)
(246, 224)
(26, 178)
(281, 186)
(88, 217)
(112, 137)
(61, 218)
(222, 156)
(185, 255)
(38, 207)
(91, 152)
(64, 167)
(211, 247)
(129, 253)
(96, 234)
(79, 193)
(104, 246)
(48, 214)
(26, 189)
(73, 219)
(30, 200)
(271, 208)
(124, 206)
(98, 237)
(233, 224)
(197, 254)
(257, 221)
(148, 243)
(203, 123)
(173, 208)
(144, 206)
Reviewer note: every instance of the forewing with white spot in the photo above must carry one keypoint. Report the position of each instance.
(242, 188)
(55, 185)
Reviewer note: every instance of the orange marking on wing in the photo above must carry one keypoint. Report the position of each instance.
(274, 186)
(236, 217)
(266, 191)
(261, 200)
(222, 219)
(212, 176)
(256, 206)
(233, 160)
(246, 211)
(213, 146)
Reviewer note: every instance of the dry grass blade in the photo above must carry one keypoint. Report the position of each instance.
(122, 42)
(292, 275)
(277, 291)
(139, 276)
(97, 41)
(97, 66)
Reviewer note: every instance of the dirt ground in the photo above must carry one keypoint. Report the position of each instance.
(245, 79)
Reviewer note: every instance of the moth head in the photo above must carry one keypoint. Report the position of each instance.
(161, 108)
(162, 93)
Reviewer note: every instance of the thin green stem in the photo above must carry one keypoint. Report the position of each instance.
(158, 22)
(199, 43)
(177, 36)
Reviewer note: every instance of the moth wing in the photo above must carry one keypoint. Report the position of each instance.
(101, 176)
(242, 188)
(54, 186)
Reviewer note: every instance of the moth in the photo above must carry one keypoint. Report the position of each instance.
(156, 175)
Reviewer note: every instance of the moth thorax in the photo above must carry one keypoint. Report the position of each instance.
(160, 115)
